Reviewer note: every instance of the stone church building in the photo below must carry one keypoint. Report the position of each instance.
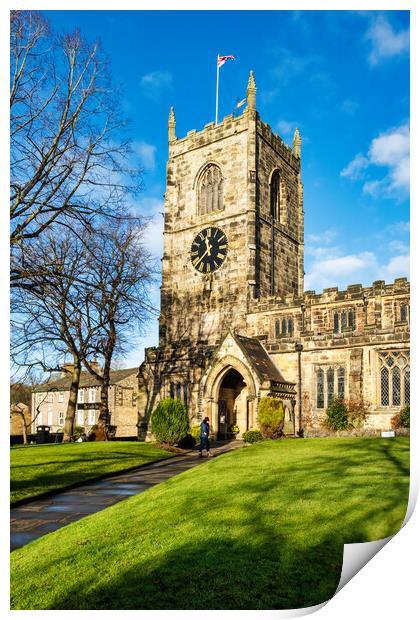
(235, 322)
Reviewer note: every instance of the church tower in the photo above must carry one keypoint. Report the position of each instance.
(233, 227)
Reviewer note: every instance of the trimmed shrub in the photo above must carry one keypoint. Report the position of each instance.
(188, 442)
(271, 417)
(234, 428)
(401, 419)
(252, 436)
(170, 421)
(337, 416)
(78, 431)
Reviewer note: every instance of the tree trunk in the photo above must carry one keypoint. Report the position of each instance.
(104, 416)
(25, 440)
(72, 405)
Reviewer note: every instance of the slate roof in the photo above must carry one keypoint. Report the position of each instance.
(260, 359)
(62, 384)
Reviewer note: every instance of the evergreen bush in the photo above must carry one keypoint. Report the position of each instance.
(337, 415)
(170, 421)
(271, 417)
(252, 436)
(402, 418)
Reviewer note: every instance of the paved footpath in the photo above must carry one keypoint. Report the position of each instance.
(39, 517)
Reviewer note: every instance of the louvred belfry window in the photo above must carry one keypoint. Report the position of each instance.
(210, 190)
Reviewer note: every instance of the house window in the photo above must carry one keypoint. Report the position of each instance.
(340, 383)
(80, 417)
(394, 378)
(330, 386)
(61, 397)
(403, 312)
(92, 395)
(50, 397)
(210, 191)
(320, 389)
(80, 396)
(92, 417)
(49, 418)
(61, 418)
(343, 320)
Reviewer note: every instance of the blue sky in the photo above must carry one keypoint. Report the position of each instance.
(342, 77)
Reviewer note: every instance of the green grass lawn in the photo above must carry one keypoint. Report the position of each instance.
(36, 469)
(262, 527)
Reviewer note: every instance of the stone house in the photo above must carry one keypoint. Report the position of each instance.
(235, 321)
(49, 402)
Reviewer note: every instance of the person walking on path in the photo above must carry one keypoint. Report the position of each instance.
(204, 437)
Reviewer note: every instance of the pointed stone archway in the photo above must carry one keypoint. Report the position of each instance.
(229, 397)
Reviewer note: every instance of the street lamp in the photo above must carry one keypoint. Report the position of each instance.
(299, 349)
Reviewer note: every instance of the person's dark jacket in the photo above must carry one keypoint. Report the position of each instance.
(204, 429)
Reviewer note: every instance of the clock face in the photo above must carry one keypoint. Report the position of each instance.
(209, 250)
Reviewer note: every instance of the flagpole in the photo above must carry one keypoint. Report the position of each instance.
(217, 87)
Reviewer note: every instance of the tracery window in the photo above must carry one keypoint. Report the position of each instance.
(210, 190)
(394, 378)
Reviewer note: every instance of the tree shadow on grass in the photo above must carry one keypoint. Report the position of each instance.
(247, 549)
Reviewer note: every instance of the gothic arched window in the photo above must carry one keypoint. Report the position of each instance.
(320, 389)
(275, 195)
(394, 378)
(351, 319)
(330, 386)
(340, 383)
(210, 190)
(336, 323)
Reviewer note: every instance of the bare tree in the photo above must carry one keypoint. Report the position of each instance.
(69, 161)
(49, 321)
(121, 271)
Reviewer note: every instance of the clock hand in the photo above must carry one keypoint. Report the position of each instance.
(200, 258)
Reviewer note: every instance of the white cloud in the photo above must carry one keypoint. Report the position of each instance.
(326, 236)
(391, 149)
(146, 153)
(386, 42)
(154, 83)
(363, 268)
(355, 168)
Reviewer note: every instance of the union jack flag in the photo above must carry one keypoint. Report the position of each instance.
(222, 59)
